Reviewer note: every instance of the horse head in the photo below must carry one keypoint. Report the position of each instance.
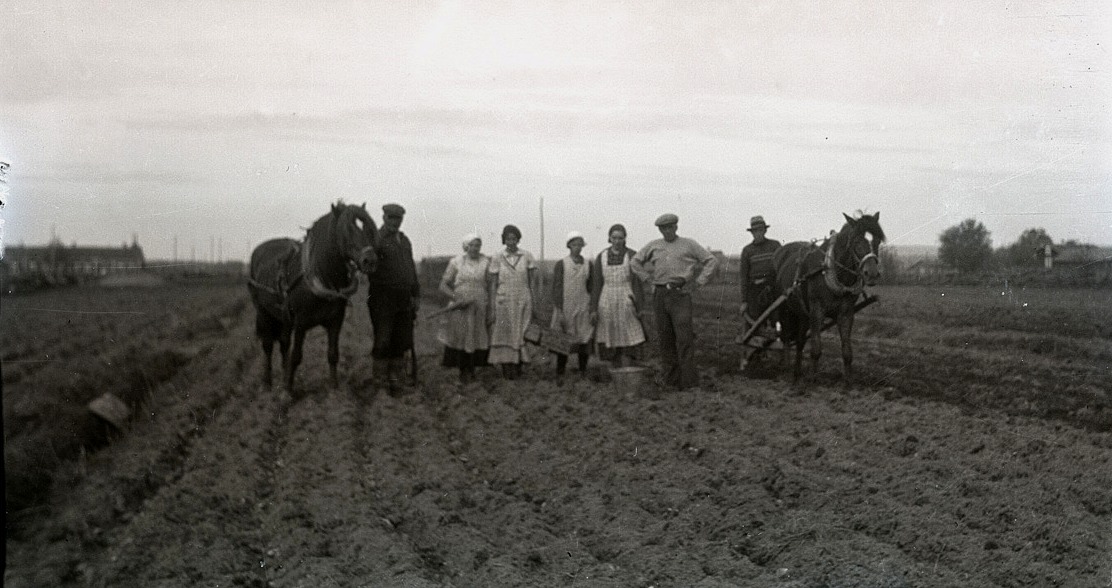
(863, 247)
(357, 233)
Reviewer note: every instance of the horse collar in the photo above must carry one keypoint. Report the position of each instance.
(830, 272)
(316, 285)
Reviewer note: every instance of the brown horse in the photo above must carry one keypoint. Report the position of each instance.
(296, 286)
(825, 281)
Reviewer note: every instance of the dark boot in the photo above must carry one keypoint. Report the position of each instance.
(561, 364)
(466, 368)
(584, 356)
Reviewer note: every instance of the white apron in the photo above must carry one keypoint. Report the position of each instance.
(618, 323)
(577, 302)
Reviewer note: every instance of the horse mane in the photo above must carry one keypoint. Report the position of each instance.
(866, 224)
(322, 255)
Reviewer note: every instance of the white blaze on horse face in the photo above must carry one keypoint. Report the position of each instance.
(362, 244)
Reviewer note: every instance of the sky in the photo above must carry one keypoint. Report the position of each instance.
(204, 128)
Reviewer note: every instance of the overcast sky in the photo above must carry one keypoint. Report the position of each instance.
(233, 122)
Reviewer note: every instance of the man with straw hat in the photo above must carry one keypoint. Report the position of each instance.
(757, 273)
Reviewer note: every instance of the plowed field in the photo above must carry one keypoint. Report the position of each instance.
(974, 450)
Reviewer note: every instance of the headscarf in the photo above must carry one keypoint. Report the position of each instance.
(468, 238)
(510, 230)
(573, 236)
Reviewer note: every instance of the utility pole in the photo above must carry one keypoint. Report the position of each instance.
(542, 228)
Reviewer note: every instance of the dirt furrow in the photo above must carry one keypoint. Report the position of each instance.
(927, 473)
(212, 506)
(95, 500)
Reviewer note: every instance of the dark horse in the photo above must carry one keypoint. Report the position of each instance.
(296, 286)
(824, 282)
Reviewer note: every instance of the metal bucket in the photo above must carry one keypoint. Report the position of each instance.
(629, 380)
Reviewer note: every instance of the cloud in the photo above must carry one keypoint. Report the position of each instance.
(100, 176)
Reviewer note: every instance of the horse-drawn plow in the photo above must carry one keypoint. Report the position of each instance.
(762, 335)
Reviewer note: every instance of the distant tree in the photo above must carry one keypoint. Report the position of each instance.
(966, 246)
(889, 265)
(1028, 249)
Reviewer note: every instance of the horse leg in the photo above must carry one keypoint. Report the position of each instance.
(268, 350)
(333, 352)
(800, 342)
(263, 332)
(816, 337)
(295, 356)
(284, 347)
(845, 328)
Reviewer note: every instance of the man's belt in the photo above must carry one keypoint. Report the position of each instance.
(669, 286)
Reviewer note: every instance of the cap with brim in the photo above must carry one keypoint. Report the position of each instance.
(667, 219)
(393, 210)
(757, 222)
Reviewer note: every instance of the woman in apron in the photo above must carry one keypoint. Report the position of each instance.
(617, 301)
(514, 273)
(466, 282)
(571, 295)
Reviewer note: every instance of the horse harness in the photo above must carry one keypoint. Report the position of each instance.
(829, 269)
(831, 265)
(286, 283)
(316, 285)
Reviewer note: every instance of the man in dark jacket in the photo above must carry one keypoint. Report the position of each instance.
(757, 273)
(392, 300)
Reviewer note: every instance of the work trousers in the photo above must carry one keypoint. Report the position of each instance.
(759, 296)
(392, 316)
(676, 334)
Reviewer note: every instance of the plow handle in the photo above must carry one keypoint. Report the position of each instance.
(764, 315)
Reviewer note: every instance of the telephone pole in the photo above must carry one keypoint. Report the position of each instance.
(542, 228)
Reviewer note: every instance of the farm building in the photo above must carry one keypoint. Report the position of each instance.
(1074, 256)
(1090, 262)
(56, 263)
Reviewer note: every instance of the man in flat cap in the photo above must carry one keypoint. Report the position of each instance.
(675, 266)
(392, 300)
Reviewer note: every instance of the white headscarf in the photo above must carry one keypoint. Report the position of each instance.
(468, 238)
(574, 235)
